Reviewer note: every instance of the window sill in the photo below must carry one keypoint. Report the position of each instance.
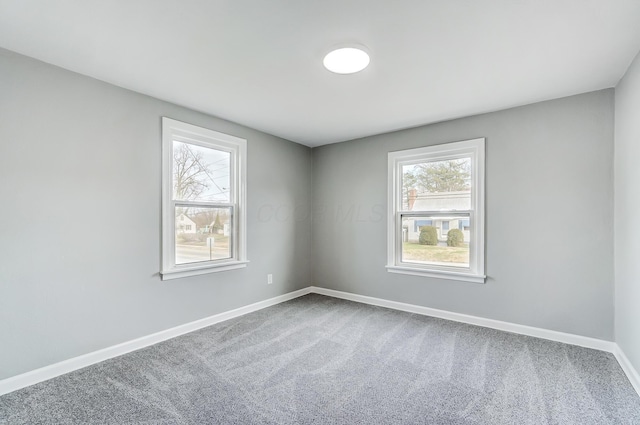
(441, 274)
(195, 271)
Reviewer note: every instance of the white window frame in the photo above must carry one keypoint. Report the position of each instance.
(237, 147)
(475, 149)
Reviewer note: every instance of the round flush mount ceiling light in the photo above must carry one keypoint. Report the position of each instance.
(346, 60)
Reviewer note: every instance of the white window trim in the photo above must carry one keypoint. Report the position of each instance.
(476, 270)
(172, 130)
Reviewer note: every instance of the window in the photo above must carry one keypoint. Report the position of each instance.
(203, 200)
(436, 211)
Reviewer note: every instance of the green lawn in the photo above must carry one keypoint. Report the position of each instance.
(435, 254)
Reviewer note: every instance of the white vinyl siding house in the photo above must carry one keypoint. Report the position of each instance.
(185, 225)
(411, 226)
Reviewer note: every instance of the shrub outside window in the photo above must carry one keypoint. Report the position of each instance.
(436, 211)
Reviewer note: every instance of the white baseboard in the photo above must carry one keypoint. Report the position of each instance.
(38, 375)
(572, 339)
(628, 368)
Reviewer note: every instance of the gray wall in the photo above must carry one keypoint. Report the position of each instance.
(80, 218)
(549, 228)
(80, 223)
(627, 206)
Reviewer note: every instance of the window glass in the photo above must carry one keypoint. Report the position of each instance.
(206, 237)
(200, 174)
(424, 244)
(203, 198)
(436, 211)
(437, 185)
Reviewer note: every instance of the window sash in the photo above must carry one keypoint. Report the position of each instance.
(473, 149)
(232, 235)
(206, 204)
(173, 131)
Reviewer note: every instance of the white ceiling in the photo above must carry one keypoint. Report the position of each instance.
(259, 62)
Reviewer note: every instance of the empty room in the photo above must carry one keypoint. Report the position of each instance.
(327, 212)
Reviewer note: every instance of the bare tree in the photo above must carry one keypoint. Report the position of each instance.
(197, 176)
(190, 173)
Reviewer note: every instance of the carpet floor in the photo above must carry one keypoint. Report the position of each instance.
(321, 360)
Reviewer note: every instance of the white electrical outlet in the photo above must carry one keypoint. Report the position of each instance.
(269, 279)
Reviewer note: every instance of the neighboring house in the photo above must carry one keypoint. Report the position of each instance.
(184, 224)
(204, 224)
(460, 201)
(224, 230)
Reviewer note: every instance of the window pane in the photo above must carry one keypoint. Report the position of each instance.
(203, 234)
(437, 185)
(436, 240)
(200, 174)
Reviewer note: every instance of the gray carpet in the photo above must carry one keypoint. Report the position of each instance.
(320, 360)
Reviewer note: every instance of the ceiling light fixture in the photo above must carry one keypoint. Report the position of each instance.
(346, 60)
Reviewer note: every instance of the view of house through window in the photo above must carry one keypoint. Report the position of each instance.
(436, 211)
(431, 189)
(201, 174)
(204, 175)
(202, 234)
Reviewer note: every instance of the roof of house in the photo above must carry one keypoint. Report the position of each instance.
(442, 201)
